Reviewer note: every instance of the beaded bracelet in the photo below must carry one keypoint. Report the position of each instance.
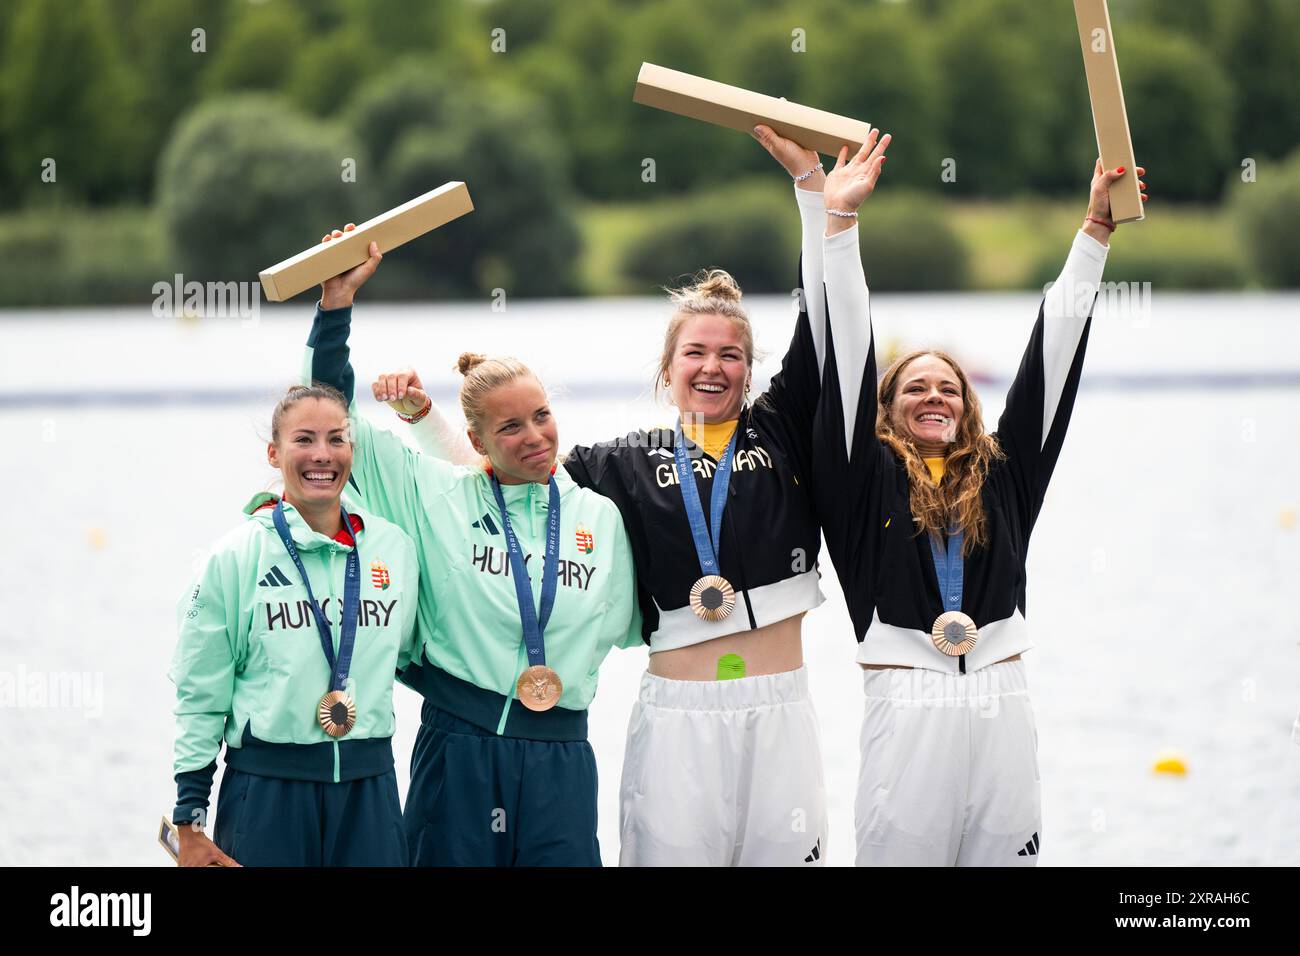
(841, 214)
(800, 179)
(412, 419)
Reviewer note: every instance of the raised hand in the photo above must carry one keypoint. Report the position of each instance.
(339, 291)
(793, 158)
(403, 391)
(852, 180)
(1099, 193)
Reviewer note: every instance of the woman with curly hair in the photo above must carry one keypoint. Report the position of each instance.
(927, 520)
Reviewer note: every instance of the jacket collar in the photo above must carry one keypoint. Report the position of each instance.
(261, 505)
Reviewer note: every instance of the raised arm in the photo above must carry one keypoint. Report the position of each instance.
(805, 168)
(1032, 427)
(849, 424)
(386, 473)
(435, 433)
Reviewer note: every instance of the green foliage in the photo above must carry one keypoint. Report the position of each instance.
(751, 230)
(64, 89)
(246, 182)
(258, 50)
(1177, 101)
(413, 93)
(1185, 263)
(996, 108)
(1260, 45)
(52, 257)
(909, 244)
(327, 68)
(883, 69)
(426, 128)
(998, 85)
(1267, 214)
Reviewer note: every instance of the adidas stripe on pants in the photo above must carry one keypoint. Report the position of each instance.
(949, 773)
(723, 773)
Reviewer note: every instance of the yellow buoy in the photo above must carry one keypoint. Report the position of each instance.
(1286, 518)
(1170, 761)
(96, 538)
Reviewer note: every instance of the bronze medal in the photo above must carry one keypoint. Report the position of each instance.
(539, 687)
(712, 598)
(337, 713)
(954, 633)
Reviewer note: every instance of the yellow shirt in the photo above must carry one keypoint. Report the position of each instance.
(713, 437)
(936, 468)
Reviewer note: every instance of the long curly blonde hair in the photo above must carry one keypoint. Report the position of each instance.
(956, 500)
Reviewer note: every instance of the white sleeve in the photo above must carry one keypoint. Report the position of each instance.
(435, 435)
(812, 214)
(849, 303)
(1067, 304)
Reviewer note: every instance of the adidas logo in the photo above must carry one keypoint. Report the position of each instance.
(274, 579)
(486, 523)
(816, 853)
(1031, 848)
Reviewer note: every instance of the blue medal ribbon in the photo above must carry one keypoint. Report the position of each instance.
(708, 540)
(948, 568)
(339, 666)
(534, 629)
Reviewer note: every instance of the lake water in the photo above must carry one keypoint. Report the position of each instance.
(1159, 574)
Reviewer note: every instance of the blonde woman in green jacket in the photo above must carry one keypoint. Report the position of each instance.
(526, 583)
(288, 644)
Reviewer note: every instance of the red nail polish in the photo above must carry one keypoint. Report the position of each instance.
(1120, 170)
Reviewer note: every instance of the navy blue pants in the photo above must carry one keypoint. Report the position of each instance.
(270, 821)
(478, 799)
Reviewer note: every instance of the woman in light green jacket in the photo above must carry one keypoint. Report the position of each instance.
(288, 643)
(526, 583)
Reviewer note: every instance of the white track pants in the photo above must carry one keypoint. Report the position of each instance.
(723, 773)
(949, 773)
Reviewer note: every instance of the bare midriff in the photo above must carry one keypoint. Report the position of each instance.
(772, 649)
(908, 667)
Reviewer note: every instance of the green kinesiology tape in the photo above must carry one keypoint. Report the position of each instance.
(731, 666)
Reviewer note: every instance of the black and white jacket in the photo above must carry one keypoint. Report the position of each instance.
(861, 488)
(770, 535)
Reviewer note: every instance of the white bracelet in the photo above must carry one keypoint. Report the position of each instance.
(800, 179)
(842, 215)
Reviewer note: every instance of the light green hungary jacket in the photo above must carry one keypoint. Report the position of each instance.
(249, 667)
(468, 610)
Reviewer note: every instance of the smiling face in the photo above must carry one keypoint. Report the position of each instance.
(313, 452)
(518, 434)
(709, 370)
(928, 405)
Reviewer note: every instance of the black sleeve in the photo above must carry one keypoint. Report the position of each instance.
(791, 400)
(327, 345)
(1031, 454)
(596, 467)
(847, 479)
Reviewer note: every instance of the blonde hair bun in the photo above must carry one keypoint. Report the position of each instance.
(469, 361)
(711, 284)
